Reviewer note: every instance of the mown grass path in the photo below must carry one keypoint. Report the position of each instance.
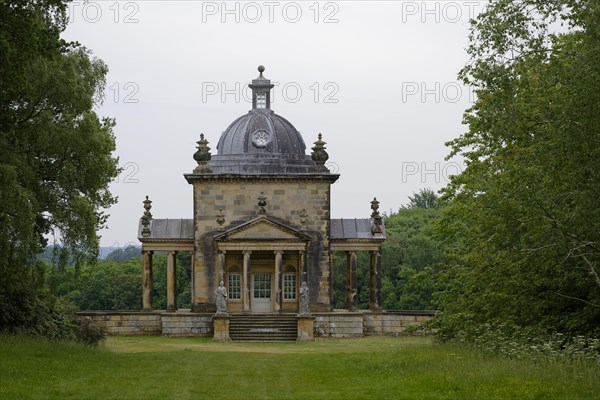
(366, 368)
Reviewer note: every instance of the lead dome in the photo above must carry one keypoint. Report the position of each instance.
(261, 142)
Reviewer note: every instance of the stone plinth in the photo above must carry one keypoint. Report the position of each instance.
(221, 328)
(306, 328)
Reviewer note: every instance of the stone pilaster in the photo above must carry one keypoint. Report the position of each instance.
(302, 267)
(192, 277)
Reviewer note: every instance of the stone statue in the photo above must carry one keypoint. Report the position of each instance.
(304, 310)
(221, 293)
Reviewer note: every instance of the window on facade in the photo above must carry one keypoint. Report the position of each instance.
(261, 100)
(234, 287)
(289, 286)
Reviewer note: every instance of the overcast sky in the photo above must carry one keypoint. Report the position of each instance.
(377, 78)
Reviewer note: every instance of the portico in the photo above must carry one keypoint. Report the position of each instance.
(262, 262)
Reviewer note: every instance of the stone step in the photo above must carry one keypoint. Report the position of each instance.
(263, 327)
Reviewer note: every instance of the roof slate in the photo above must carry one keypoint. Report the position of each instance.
(169, 229)
(353, 228)
(183, 229)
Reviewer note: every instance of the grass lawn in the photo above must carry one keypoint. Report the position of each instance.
(197, 368)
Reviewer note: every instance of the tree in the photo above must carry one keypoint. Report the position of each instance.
(124, 254)
(56, 158)
(410, 259)
(425, 198)
(522, 222)
(110, 285)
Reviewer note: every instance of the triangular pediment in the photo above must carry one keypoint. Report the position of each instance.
(262, 228)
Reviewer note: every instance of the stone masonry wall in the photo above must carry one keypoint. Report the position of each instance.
(335, 324)
(339, 325)
(391, 323)
(189, 324)
(286, 198)
(126, 323)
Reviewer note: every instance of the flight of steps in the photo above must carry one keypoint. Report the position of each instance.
(263, 327)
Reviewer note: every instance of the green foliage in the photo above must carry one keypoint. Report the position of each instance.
(522, 222)
(108, 285)
(517, 343)
(425, 198)
(183, 281)
(410, 259)
(56, 158)
(409, 262)
(39, 313)
(112, 285)
(124, 254)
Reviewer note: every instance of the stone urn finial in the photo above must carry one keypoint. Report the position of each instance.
(146, 217)
(202, 155)
(319, 155)
(376, 217)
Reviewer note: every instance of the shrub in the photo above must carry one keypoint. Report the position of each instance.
(27, 306)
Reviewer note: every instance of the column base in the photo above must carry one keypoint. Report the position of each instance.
(171, 309)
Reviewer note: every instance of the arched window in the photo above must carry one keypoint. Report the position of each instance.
(234, 283)
(289, 283)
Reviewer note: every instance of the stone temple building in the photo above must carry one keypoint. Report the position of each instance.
(262, 222)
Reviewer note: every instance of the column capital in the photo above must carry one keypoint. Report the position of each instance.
(280, 252)
(147, 252)
(172, 252)
(246, 252)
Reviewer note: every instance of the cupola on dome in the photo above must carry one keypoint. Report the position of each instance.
(261, 141)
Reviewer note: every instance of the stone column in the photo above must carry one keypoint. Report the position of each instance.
(351, 290)
(171, 281)
(246, 280)
(278, 263)
(375, 281)
(147, 281)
